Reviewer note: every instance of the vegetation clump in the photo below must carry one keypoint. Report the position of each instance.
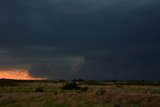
(39, 89)
(8, 82)
(74, 86)
(84, 89)
(101, 91)
(119, 86)
(70, 86)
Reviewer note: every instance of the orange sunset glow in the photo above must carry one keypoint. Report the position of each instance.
(18, 75)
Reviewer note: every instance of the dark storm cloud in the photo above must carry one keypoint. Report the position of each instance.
(90, 39)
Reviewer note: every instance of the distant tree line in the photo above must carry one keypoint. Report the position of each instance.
(11, 82)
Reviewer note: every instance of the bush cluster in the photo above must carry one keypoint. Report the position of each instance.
(8, 82)
(39, 89)
(70, 86)
(101, 91)
(73, 86)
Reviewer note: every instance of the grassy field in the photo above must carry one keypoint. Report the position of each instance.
(86, 94)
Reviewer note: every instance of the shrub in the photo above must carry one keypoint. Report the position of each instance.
(70, 86)
(119, 86)
(8, 82)
(84, 89)
(39, 89)
(101, 91)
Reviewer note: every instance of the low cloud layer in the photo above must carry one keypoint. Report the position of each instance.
(90, 39)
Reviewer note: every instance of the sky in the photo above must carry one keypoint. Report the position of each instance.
(72, 39)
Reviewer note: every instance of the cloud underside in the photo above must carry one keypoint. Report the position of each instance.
(90, 39)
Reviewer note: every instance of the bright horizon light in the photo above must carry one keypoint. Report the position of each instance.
(18, 75)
